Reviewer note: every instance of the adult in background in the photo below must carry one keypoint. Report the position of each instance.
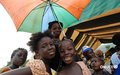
(115, 58)
(88, 54)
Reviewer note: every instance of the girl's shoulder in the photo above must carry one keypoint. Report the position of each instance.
(84, 68)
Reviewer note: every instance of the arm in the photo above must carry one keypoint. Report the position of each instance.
(21, 71)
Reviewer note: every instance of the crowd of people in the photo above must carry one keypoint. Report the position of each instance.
(51, 53)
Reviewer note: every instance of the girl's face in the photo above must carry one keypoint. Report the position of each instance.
(56, 29)
(19, 58)
(46, 48)
(67, 51)
(96, 64)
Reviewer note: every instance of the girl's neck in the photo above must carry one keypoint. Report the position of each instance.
(98, 72)
(47, 62)
(14, 66)
(70, 65)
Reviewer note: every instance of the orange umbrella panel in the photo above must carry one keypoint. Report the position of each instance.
(34, 15)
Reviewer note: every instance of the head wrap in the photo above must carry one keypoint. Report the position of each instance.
(85, 49)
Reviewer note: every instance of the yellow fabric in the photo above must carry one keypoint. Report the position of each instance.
(53, 72)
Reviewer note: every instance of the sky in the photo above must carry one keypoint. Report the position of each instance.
(10, 39)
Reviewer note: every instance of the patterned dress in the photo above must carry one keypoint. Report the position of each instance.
(37, 67)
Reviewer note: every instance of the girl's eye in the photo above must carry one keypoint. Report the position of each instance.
(43, 46)
(51, 44)
(69, 48)
(62, 51)
(19, 55)
(54, 28)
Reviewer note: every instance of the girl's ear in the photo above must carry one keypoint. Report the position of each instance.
(75, 52)
(37, 55)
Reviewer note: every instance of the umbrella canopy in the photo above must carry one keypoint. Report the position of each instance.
(34, 15)
(98, 26)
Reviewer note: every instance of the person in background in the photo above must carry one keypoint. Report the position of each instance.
(88, 54)
(67, 53)
(18, 58)
(117, 71)
(55, 28)
(100, 54)
(97, 64)
(115, 58)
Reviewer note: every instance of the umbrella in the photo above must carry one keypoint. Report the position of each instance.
(98, 26)
(34, 15)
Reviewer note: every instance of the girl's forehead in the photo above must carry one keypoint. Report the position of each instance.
(45, 39)
(20, 51)
(66, 41)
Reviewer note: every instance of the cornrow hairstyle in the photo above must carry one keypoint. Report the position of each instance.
(18, 49)
(35, 38)
(53, 22)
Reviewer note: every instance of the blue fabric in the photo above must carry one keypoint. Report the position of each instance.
(87, 49)
(48, 17)
(117, 71)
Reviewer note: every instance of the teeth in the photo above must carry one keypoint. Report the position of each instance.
(52, 53)
(68, 58)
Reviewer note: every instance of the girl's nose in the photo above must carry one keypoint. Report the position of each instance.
(66, 52)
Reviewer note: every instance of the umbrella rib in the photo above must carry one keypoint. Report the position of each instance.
(45, 10)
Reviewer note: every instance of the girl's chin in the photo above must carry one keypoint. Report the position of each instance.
(68, 62)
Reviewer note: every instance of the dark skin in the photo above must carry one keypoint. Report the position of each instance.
(46, 49)
(56, 30)
(89, 54)
(18, 59)
(97, 64)
(67, 54)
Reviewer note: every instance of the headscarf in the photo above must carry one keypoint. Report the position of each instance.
(85, 49)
